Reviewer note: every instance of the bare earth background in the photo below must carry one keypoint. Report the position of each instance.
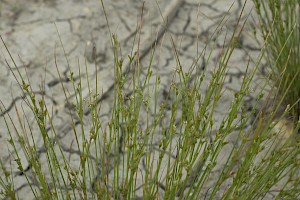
(29, 32)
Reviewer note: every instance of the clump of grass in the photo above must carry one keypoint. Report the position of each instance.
(279, 22)
(157, 148)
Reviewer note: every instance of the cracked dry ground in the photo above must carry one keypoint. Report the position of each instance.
(30, 34)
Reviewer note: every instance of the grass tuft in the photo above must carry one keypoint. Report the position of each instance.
(159, 144)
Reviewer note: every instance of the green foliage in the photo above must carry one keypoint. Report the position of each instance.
(279, 21)
(252, 168)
